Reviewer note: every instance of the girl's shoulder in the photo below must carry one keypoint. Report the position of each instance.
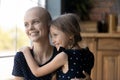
(86, 51)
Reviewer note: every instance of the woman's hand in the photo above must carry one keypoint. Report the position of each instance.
(86, 78)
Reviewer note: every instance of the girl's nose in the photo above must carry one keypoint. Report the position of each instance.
(53, 41)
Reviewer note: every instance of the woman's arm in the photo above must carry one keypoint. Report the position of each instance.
(18, 78)
(87, 76)
(54, 77)
(57, 62)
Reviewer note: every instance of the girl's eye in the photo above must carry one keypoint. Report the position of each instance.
(54, 34)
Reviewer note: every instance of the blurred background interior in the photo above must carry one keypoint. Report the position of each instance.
(100, 27)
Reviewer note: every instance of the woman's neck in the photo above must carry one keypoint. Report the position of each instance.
(41, 47)
(42, 52)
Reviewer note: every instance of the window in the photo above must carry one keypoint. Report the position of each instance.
(12, 35)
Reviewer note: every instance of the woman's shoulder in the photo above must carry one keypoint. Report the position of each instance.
(19, 54)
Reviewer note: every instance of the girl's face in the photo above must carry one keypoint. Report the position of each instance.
(59, 38)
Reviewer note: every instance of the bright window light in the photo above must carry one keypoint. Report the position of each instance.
(12, 32)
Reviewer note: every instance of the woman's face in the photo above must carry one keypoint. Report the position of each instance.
(59, 38)
(35, 29)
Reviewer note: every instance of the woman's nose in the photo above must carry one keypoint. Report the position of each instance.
(31, 27)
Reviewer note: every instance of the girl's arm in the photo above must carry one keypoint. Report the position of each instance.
(57, 62)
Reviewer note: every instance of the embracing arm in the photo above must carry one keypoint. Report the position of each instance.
(18, 78)
(57, 62)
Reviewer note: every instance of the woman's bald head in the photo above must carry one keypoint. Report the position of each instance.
(39, 12)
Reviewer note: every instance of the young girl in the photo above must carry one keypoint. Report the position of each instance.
(71, 60)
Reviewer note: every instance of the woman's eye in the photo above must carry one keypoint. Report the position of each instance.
(36, 22)
(26, 25)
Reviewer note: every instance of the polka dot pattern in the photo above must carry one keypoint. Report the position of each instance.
(78, 61)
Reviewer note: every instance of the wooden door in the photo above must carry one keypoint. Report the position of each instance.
(108, 65)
